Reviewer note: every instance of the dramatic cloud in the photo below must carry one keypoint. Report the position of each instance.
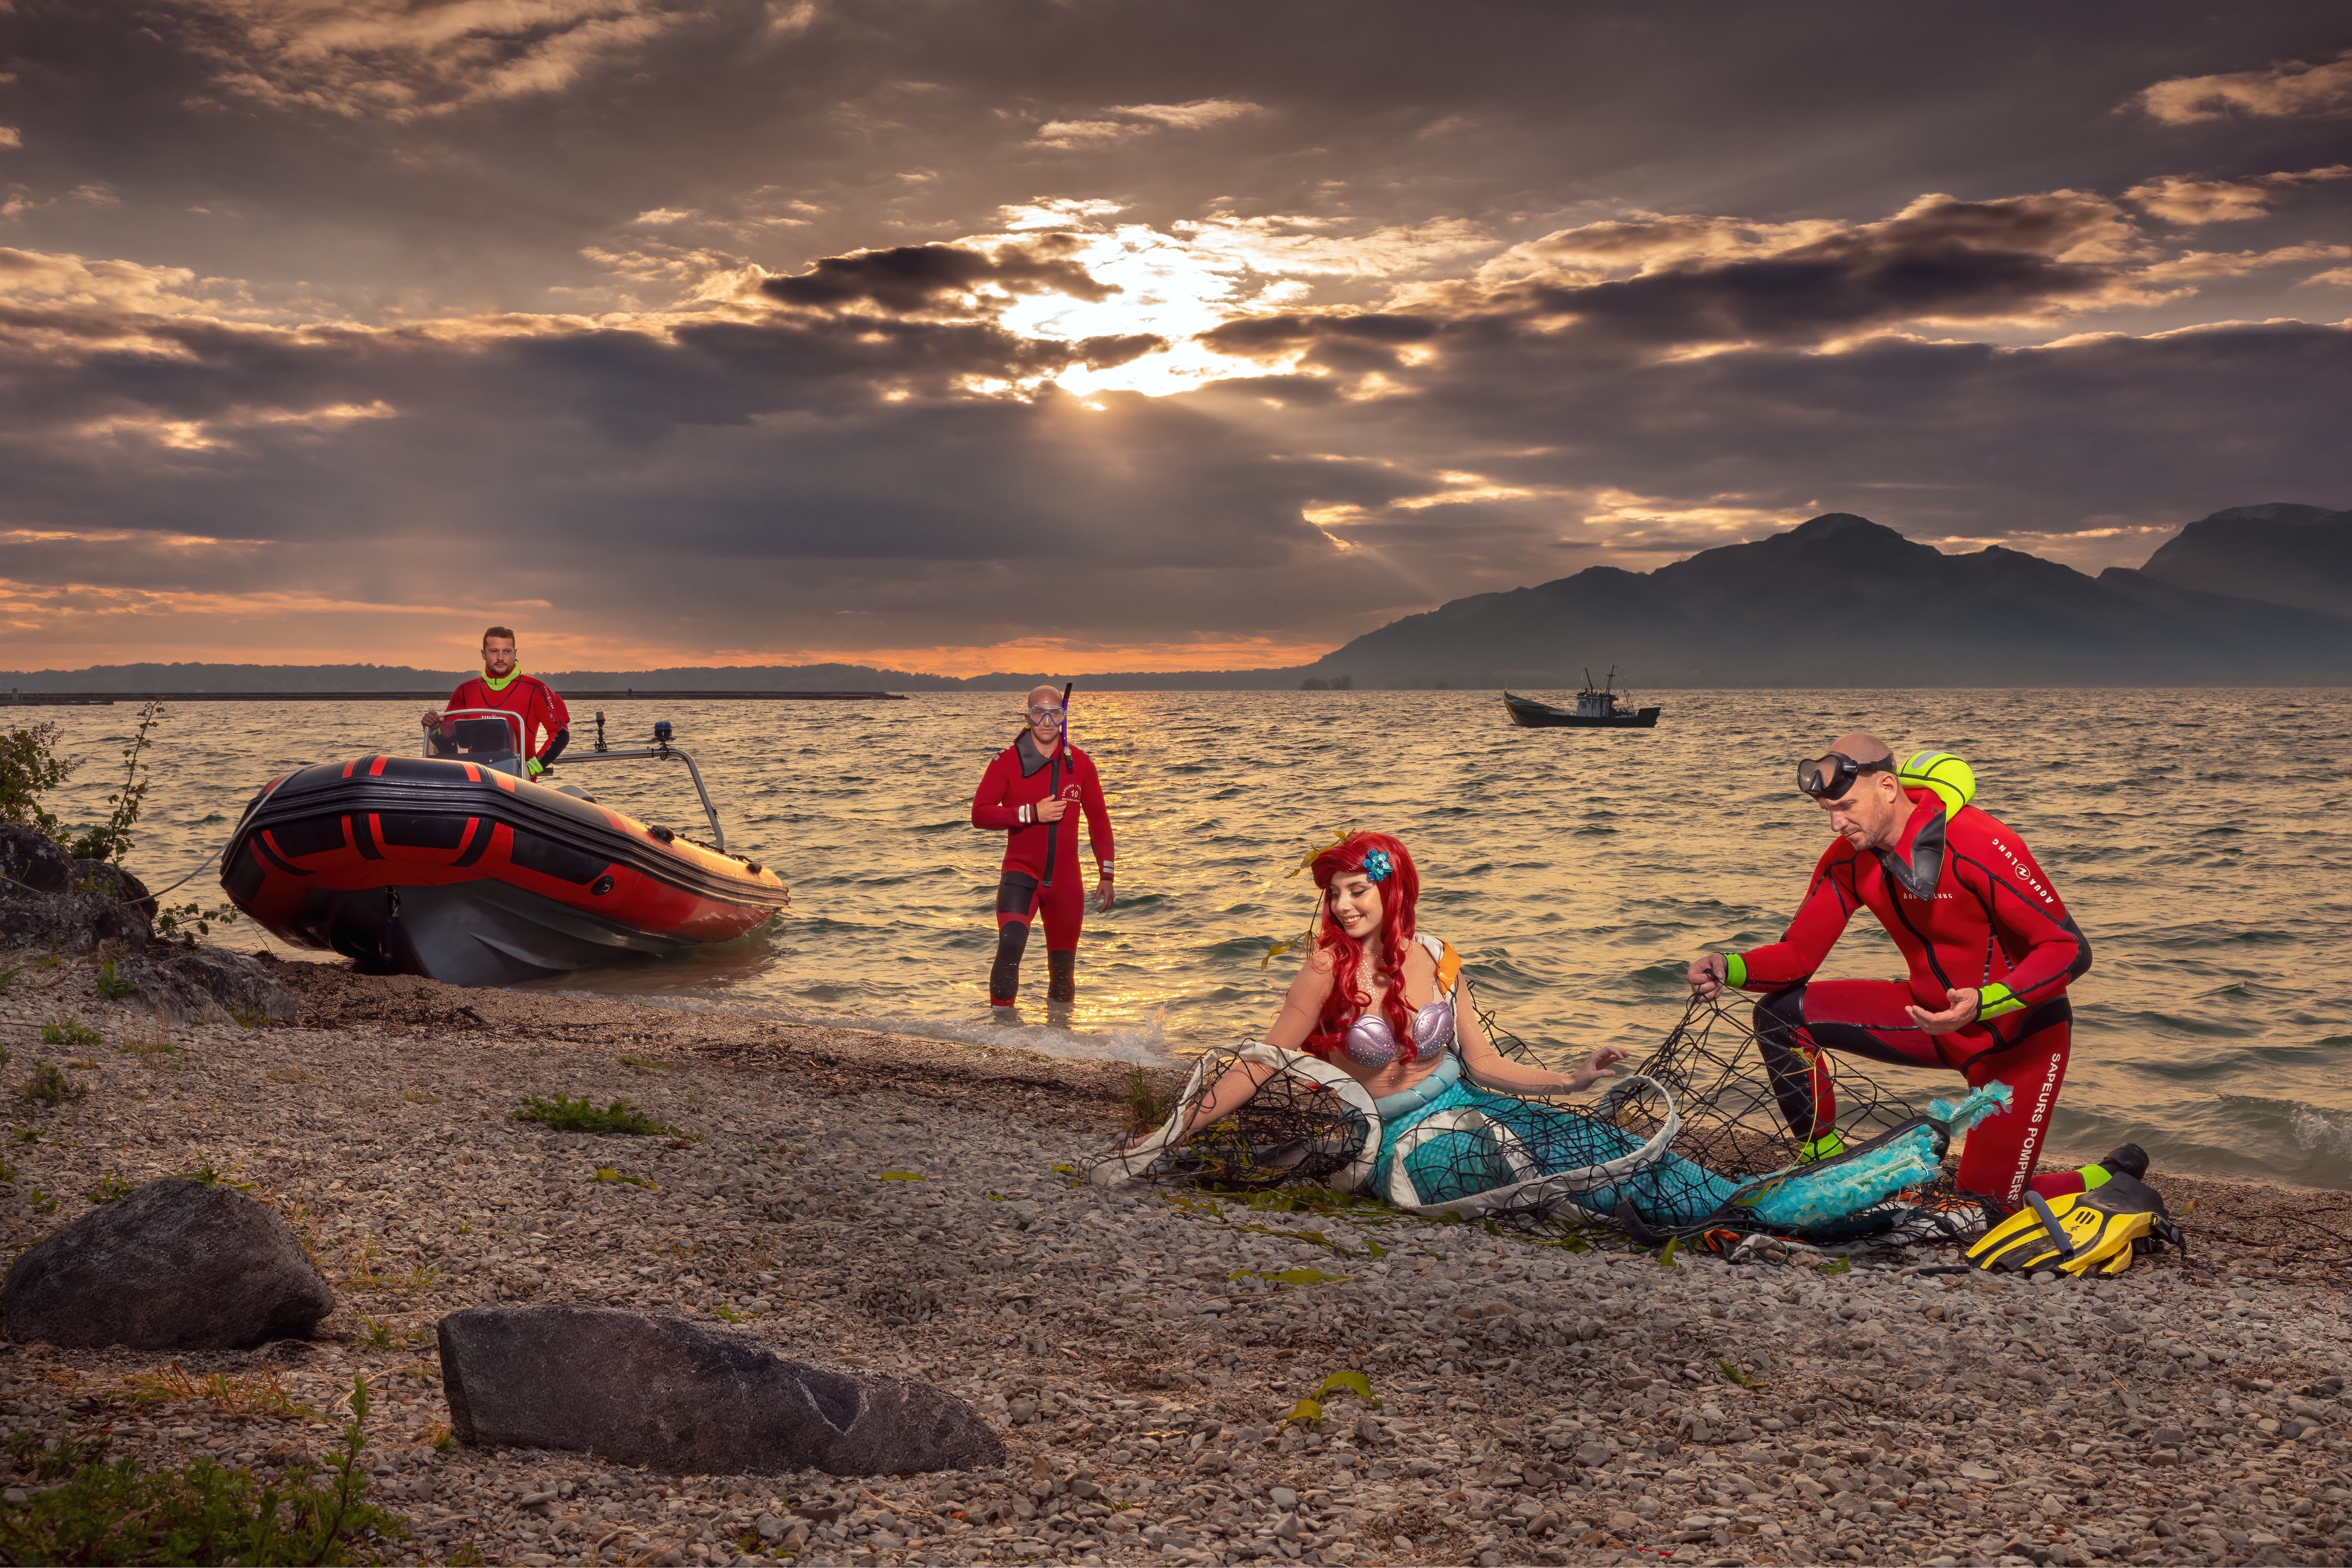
(966, 333)
(2178, 199)
(913, 279)
(2275, 91)
(399, 59)
(1141, 120)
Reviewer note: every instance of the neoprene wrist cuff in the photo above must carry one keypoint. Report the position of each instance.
(1995, 999)
(1734, 971)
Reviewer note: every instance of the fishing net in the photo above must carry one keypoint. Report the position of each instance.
(1675, 1148)
(1292, 1128)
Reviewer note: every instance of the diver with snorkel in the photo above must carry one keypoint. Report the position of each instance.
(1026, 794)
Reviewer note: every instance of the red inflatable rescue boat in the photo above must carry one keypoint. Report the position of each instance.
(456, 865)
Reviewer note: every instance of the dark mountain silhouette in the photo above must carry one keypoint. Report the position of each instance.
(1842, 601)
(2280, 552)
(2253, 595)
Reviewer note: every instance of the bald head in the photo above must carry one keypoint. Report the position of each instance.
(1872, 811)
(1043, 714)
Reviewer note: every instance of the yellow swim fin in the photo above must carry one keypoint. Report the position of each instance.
(2095, 1232)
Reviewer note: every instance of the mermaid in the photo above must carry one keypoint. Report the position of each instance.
(1377, 1075)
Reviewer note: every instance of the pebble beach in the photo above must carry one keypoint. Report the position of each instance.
(1165, 1366)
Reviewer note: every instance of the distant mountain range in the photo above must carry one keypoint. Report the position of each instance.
(2256, 596)
(1842, 601)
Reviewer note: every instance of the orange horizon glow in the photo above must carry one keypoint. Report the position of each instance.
(288, 629)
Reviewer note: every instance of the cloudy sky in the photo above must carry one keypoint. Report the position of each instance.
(969, 334)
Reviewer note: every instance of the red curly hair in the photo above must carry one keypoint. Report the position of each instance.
(1400, 891)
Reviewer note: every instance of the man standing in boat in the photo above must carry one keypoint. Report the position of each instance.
(1026, 794)
(546, 722)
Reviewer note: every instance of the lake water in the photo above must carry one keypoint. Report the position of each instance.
(2203, 840)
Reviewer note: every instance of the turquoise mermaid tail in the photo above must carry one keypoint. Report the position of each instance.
(1447, 1146)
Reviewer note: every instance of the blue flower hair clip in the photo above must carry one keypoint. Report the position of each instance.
(1376, 865)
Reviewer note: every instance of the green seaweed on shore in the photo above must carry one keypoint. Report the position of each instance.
(563, 1114)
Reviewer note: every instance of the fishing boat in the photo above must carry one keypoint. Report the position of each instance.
(457, 865)
(1601, 706)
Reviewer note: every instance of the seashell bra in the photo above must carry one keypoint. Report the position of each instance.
(1371, 1043)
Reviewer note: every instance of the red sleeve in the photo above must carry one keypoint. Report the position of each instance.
(1994, 864)
(457, 697)
(559, 716)
(1821, 919)
(1090, 800)
(988, 807)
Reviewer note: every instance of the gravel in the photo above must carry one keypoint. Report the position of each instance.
(1535, 1404)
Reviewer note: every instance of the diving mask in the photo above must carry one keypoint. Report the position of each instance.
(1829, 777)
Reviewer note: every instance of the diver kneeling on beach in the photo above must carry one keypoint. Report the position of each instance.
(1378, 1075)
(1991, 949)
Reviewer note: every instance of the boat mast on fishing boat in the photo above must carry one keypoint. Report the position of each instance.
(1599, 707)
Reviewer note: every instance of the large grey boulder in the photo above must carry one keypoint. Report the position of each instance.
(176, 1266)
(678, 1396)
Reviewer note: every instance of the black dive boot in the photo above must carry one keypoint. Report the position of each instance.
(1004, 975)
(1061, 977)
(2129, 1159)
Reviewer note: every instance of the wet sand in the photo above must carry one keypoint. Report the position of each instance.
(1138, 1349)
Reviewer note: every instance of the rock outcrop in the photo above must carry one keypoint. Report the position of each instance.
(680, 1397)
(176, 1266)
(48, 898)
(209, 983)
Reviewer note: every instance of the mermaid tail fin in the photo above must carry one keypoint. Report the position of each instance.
(1804, 1196)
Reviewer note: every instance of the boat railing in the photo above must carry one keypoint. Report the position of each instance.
(488, 737)
(660, 749)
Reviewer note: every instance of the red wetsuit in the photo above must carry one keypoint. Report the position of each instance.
(1962, 896)
(542, 711)
(1018, 777)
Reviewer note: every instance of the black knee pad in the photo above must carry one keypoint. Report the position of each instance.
(1061, 976)
(1780, 1015)
(1005, 976)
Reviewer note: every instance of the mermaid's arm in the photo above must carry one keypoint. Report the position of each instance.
(1488, 1069)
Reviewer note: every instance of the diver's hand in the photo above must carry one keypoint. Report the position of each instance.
(1709, 973)
(1596, 1068)
(1102, 895)
(1050, 810)
(1958, 1016)
(432, 719)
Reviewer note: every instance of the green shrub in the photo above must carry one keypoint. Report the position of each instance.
(30, 768)
(203, 1513)
(564, 1115)
(110, 840)
(68, 1032)
(110, 1187)
(114, 986)
(48, 1086)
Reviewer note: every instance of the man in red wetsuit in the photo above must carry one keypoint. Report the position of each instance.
(1990, 950)
(546, 722)
(1027, 793)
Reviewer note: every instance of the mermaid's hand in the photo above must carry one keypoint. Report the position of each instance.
(1596, 1067)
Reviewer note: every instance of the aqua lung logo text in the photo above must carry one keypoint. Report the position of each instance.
(2024, 874)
